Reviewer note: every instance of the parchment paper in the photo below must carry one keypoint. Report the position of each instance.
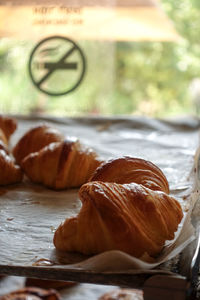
(30, 213)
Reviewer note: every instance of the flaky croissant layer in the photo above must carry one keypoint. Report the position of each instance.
(9, 172)
(34, 140)
(61, 165)
(8, 126)
(130, 169)
(126, 217)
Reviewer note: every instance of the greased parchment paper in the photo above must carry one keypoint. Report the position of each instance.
(30, 213)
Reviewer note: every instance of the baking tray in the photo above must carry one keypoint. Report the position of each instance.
(26, 236)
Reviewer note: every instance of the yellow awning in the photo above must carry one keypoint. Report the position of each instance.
(123, 20)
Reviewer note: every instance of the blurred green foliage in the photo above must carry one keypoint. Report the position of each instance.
(148, 78)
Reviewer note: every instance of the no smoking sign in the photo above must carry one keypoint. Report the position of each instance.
(57, 65)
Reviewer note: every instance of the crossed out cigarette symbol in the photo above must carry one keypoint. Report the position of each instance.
(60, 64)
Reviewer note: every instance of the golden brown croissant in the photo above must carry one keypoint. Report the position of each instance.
(10, 173)
(8, 125)
(130, 169)
(3, 141)
(61, 165)
(123, 294)
(126, 217)
(32, 293)
(34, 140)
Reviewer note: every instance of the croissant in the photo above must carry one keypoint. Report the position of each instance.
(61, 165)
(130, 169)
(126, 217)
(126, 207)
(34, 140)
(32, 293)
(10, 173)
(7, 127)
(3, 141)
(123, 294)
